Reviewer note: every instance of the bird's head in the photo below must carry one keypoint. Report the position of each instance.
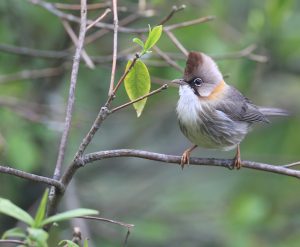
(201, 74)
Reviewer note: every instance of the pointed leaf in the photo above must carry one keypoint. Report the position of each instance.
(10, 209)
(85, 243)
(139, 42)
(153, 37)
(137, 84)
(69, 243)
(38, 237)
(13, 233)
(40, 215)
(69, 214)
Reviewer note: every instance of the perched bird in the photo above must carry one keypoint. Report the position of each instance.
(213, 114)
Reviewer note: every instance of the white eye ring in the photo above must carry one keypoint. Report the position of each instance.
(198, 81)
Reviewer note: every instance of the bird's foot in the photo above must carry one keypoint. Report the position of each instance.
(185, 158)
(236, 163)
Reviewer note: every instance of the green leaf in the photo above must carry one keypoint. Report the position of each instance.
(139, 42)
(14, 232)
(137, 84)
(10, 209)
(85, 244)
(69, 243)
(38, 236)
(69, 214)
(40, 215)
(153, 37)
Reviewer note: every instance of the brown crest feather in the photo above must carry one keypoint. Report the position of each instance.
(194, 60)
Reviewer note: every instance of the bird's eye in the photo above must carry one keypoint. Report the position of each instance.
(198, 81)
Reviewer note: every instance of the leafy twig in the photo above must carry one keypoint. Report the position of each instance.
(163, 87)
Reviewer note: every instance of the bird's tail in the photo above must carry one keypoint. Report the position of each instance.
(269, 111)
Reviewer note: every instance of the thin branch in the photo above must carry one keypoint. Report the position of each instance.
(75, 40)
(91, 6)
(71, 98)
(32, 177)
(126, 237)
(189, 23)
(163, 87)
(115, 48)
(171, 159)
(107, 220)
(98, 19)
(292, 164)
(25, 51)
(167, 59)
(137, 56)
(12, 241)
(246, 52)
(31, 74)
(177, 43)
(173, 11)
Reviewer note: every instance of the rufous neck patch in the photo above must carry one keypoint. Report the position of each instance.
(218, 90)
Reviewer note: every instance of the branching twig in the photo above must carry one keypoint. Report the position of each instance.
(173, 11)
(71, 97)
(227, 163)
(50, 7)
(165, 86)
(32, 177)
(115, 48)
(75, 40)
(98, 19)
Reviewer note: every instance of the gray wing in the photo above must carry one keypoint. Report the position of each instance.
(238, 107)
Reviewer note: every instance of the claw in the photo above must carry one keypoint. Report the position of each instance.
(185, 158)
(237, 159)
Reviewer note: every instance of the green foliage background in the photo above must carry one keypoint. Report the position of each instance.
(199, 206)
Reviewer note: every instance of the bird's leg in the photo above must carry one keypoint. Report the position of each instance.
(185, 158)
(237, 159)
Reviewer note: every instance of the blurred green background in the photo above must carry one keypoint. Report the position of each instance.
(199, 206)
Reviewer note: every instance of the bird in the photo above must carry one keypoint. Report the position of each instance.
(213, 114)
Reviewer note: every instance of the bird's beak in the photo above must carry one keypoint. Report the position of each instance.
(180, 82)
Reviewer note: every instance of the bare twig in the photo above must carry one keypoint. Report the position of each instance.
(31, 74)
(165, 86)
(292, 164)
(75, 40)
(107, 220)
(33, 52)
(246, 52)
(167, 59)
(71, 97)
(126, 237)
(115, 48)
(173, 11)
(91, 6)
(98, 19)
(171, 159)
(32, 177)
(189, 23)
(177, 43)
